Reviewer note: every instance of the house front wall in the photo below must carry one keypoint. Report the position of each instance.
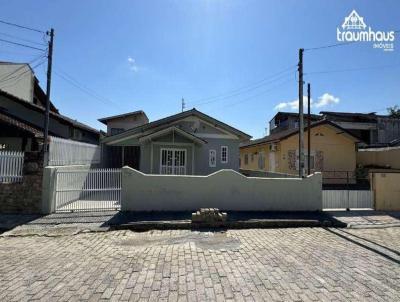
(332, 151)
(202, 153)
(197, 156)
(257, 158)
(150, 159)
(125, 123)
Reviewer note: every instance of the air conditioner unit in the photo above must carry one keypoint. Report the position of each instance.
(273, 147)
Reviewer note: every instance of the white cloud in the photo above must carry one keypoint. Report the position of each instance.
(132, 64)
(292, 105)
(324, 100)
(281, 106)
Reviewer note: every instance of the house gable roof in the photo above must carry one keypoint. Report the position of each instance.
(55, 115)
(354, 116)
(14, 122)
(279, 136)
(173, 129)
(173, 118)
(113, 117)
(284, 113)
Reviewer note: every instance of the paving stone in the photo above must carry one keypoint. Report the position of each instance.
(305, 264)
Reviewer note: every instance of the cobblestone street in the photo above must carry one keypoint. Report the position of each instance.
(303, 264)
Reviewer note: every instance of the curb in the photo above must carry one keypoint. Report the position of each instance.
(247, 224)
(372, 226)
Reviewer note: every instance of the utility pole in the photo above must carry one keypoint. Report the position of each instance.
(46, 117)
(183, 104)
(309, 129)
(301, 116)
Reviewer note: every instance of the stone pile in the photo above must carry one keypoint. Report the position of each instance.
(211, 217)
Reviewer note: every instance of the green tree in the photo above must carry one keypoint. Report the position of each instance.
(394, 111)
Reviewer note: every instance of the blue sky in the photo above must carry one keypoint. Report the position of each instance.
(218, 55)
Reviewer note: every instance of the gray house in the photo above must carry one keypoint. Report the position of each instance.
(190, 143)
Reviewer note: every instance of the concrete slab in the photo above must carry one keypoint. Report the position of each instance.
(366, 218)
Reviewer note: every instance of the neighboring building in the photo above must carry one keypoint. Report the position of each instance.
(332, 149)
(190, 142)
(22, 111)
(370, 128)
(288, 120)
(119, 123)
(18, 79)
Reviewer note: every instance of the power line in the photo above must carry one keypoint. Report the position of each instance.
(21, 26)
(83, 88)
(17, 77)
(22, 39)
(23, 45)
(351, 69)
(18, 53)
(329, 46)
(7, 76)
(257, 95)
(246, 88)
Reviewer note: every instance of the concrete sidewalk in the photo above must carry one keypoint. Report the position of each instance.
(367, 218)
(60, 224)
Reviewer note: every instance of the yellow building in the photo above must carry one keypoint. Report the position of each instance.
(332, 149)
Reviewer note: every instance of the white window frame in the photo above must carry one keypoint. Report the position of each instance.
(226, 153)
(175, 170)
(214, 152)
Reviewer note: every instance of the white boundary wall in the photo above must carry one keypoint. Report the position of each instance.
(225, 189)
(64, 152)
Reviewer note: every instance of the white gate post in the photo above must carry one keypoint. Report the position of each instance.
(49, 187)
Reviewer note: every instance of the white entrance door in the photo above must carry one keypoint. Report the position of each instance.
(173, 161)
(272, 161)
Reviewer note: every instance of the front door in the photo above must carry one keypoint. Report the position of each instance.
(131, 157)
(272, 161)
(173, 161)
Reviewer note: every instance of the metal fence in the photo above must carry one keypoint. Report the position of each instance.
(339, 177)
(347, 199)
(63, 152)
(88, 190)
(11, 166)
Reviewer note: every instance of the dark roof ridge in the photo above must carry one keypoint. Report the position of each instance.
(287, 133)
(175, 117)
(56, 115)
(103, 119)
